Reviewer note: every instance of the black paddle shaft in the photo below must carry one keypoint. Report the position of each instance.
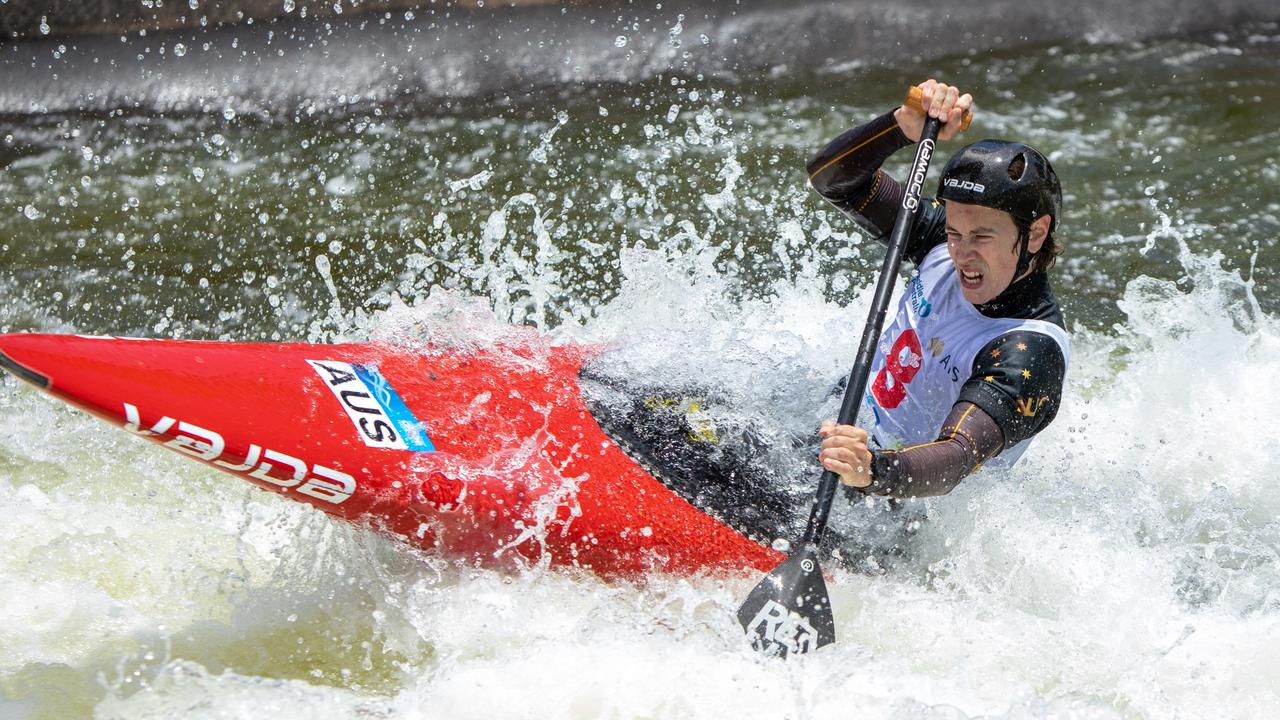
(789, 611)
(902, 227)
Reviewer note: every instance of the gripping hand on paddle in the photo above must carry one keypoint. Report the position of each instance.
(937, 100)
(844, 452)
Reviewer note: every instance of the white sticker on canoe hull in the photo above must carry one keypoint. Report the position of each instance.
(380, 417)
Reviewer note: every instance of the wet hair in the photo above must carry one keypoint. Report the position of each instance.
(1049, 251)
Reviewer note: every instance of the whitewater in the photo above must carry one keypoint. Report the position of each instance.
(1126, 568)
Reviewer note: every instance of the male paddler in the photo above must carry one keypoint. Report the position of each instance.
(971, 366)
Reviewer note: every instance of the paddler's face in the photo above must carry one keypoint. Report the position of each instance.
(983, 243)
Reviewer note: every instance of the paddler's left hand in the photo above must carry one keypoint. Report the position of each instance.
(844, 452)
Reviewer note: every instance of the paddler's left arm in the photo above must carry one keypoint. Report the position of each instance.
(1013, 393)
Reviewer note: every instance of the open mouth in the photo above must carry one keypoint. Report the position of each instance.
(970, 280)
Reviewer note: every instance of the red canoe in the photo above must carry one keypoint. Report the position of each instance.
(488, 455)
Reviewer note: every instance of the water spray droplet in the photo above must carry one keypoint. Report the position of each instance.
(620, 41)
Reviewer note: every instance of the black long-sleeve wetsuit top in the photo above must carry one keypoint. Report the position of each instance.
(990, 414)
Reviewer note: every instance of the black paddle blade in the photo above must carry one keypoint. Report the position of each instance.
(789, 611)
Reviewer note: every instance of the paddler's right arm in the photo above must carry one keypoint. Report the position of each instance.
(847, 172)
(968, 439)
(1013, 394)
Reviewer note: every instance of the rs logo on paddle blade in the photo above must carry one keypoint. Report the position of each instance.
(777, 631)
(790, 611)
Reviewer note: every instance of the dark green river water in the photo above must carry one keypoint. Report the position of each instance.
(252, 225)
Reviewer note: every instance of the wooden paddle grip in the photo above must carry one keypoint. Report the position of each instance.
(915, 96)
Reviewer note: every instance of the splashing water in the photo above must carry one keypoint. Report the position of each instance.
(1128, 568)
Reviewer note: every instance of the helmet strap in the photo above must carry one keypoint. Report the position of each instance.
(1024, 252)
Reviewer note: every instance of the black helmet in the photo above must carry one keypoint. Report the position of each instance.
(1007, 176)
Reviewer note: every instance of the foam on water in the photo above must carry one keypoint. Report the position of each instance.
(1127, 567)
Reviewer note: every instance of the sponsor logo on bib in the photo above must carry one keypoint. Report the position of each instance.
(919, 302)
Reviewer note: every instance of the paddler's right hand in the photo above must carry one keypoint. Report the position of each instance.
(844, 452)
(939, 100)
